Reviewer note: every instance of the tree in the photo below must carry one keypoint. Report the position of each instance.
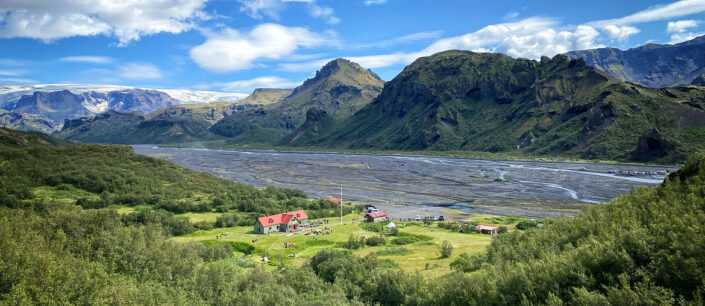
(445, 248)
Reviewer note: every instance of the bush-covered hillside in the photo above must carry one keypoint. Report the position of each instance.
(644, 248)
(115, 175)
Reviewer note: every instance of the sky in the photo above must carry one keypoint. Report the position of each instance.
(239, 45)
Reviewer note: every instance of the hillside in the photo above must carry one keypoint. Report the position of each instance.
(651, 65)
(317, 123)
(265, 96)
(26, 122)
(39, 166)
(646, 248)
(457, 100)
(340, 88)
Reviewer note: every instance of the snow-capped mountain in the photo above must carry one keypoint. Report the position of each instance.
(11, 93)
(58, 102)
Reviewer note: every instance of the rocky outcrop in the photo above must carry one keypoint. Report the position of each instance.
(651, 65)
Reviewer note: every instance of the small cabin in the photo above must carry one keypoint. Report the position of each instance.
(489, 230)
(377, 216)
(286, 222)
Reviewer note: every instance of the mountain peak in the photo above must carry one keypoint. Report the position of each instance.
(341, 71)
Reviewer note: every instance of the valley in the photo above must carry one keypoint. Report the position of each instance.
(409, 185)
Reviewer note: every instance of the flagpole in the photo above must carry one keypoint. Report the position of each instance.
(341, 203)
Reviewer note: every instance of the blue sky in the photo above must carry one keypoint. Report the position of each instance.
(237, 45)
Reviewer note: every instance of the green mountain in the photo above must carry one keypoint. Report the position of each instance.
(458, 100)
(26, 122)
(340, 88)
(109, 127)
(651, 65)
(182, 123)
(265, 96)
(317, 123)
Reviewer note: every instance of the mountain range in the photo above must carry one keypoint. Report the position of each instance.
(651, 65)
(56, 103)
(453, 100)
(460, 100)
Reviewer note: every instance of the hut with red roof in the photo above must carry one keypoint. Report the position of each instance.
(376, 216)
(286, 222)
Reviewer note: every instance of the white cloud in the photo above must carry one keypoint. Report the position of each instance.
(511, 16)
(665, 12)
(272, 9)
(138, 71)
(250, 85)
(88, 59)
(395, 41)
(528, 38)
(679, 30)
(681, 26)
(373, 2)
(231, 50)
(323, 12)
(126, 20)
(619, 33)
(12, 72)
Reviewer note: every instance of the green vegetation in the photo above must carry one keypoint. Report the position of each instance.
(464, 101)
(647, 247)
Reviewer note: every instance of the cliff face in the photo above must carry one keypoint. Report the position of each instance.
(650, 65)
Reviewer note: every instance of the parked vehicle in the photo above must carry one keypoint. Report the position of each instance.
(441, 218)
(417, 218)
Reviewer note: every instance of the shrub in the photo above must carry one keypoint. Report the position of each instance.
(203, 225)
(502, 229)
(375, 241)
(468, 263)
(445, 249)
(526, 224)
(354, 243)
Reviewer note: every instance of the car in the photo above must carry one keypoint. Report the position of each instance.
(417, 218)
(434, 218)
(441, 218)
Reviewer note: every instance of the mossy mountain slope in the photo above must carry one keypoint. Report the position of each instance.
(459, 100)
(318, 122)
(340, 88)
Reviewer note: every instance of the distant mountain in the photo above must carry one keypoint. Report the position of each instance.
(10, 94)
(699, 81)
(265, 96)
(651, 65)
(26, 122)
(181, 123)
(458, 100)
(60, 102)
(340, 88)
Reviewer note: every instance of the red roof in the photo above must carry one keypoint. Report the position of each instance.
(335, 200)
(485, 227)
(284, 218)
(377, 214)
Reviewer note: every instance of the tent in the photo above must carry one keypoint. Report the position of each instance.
(391, 225)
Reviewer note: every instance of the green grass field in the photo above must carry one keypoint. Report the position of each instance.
(415, 257)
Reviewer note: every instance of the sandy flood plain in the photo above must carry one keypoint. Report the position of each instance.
(407, 186)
